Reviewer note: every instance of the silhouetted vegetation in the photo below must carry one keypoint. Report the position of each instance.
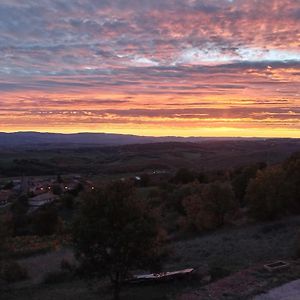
(12, 271)
(274, 192)
(45, 221)
(197, 157)
(115, 233)
(120, 225)
(184, 176)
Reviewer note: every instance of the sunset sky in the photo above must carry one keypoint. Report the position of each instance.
(151, 67)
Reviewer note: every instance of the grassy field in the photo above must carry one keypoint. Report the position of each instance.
(219, 253)
(238, 248)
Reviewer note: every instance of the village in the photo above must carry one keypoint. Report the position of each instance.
(40, 191)
(40, 213)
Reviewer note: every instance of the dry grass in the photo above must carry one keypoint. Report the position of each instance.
(231, 249)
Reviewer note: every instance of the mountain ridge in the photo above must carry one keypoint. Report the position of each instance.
(30, 138)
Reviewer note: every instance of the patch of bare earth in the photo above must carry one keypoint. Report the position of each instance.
(244, 284)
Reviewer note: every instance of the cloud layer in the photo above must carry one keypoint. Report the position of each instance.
(186, 67)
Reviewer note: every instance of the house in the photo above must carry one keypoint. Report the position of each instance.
(70, 186)
(38, 189)
(88, 185)
(42, 199)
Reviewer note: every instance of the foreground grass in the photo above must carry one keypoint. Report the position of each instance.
(220, 253)
(241, 247)
(80, 290)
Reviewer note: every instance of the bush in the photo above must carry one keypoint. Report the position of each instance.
(57, 190)
(5, 232)
(184, 176)
(65, 265)
(11, 271)
(68, 201)
(218, 272)
(45, 221)
(219, 269)
(272, 227)
(57, 277)
(297, 246)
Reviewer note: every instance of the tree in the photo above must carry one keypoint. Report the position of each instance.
(115, 233)
(184, 176)
(68, 201)
(45, 221)
(5, 231)
(19, 210)
(267, 194)
(292, 180)
(202, 177)
(8, 186)
(59, 179)
(145, 180)
(220, 200)
(57, 189)
(197, 217)
(241, 181)
(207, 209)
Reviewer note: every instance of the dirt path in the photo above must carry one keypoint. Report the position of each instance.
(288, 291)
(250, 282)
(240, 284)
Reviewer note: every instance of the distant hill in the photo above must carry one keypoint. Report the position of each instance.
(132, 159)
(33, 139)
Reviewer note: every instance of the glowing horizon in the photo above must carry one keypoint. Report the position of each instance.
(205, 132)
(156, 68)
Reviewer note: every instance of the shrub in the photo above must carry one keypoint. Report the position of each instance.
(45, 221)
(56, 277)
(57, 190)
(219, 269)
(11, 271)
(68, 201)
(272, 227)
(297, 246)
(65, 265)
(5, 231)
(218, 272)
(184, 176)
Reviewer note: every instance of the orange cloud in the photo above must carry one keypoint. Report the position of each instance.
(176, 67)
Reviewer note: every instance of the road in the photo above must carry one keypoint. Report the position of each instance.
(288, 291)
